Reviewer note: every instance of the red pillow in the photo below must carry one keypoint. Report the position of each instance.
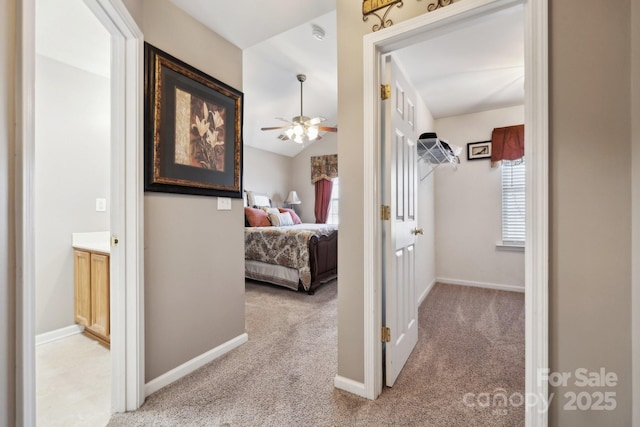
(257, 217)
(294, 216)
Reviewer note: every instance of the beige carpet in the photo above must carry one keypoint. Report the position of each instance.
(471, 341)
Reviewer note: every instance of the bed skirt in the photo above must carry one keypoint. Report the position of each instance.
(277, 274)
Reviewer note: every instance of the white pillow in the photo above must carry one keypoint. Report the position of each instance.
(280, 219)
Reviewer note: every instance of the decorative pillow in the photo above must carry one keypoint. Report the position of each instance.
(280, 219)
(294, 215)
(269, 210)
(256, 217)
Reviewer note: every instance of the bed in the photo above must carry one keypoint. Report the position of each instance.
(297, 256)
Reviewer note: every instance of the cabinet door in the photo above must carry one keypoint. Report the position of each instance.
(100, 294)
(82, 285)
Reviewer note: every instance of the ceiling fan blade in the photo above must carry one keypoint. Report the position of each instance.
(274, 128)
(327, 129)
(314, 121)
(283, 137)
(284, 120)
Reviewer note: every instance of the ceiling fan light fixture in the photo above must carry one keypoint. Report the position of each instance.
(301, 126)
(312, 132)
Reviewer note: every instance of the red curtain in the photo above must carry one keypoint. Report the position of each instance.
(507, 144)
(323, 198)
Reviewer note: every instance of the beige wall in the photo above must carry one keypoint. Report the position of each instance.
(7, 205)
(350, 149)
(136, 10)
(267, 173)
(300, 179)
(469, 206)
(590, 173)
(590, 189)
(194, 254)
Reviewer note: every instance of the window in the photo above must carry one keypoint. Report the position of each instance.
(333, 204)
(513, 201)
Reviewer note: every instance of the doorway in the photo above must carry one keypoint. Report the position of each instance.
(536, 113)
(72, 80)
(127, 356)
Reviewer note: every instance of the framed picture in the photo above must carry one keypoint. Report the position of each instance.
(479, 150)
(193, 130)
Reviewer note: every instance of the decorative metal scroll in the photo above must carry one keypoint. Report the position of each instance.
(438, 4)
(371, 7)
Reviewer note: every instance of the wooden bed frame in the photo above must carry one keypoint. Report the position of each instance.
(323, 260)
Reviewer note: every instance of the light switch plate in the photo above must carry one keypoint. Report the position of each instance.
(101, 205)
(224, 204)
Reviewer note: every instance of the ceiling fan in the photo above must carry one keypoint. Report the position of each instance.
(301, 126)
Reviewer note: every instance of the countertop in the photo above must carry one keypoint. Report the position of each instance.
(99, 241)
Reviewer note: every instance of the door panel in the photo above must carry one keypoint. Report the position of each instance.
(82, 283)
(399, 191)
(100, 294)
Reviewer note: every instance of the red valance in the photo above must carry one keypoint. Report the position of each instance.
(507, 143)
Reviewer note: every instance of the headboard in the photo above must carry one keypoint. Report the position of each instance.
(256, 199)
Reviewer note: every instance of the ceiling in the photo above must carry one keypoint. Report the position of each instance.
(475, 68)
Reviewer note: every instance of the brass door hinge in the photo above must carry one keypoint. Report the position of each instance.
(386, 334)
(385, 92)
(385, 212)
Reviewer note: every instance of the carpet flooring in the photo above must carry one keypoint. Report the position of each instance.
(470, 353)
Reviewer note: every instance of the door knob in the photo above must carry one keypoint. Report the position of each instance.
(417, 231)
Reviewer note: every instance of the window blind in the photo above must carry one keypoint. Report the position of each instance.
(333, 217)
(513, 201)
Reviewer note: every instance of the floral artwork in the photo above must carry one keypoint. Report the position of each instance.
(200, 138)
(193, 130)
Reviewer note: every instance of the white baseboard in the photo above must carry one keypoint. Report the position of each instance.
(58, 334)
(193, 364)
(351, 386)
(497, 286)
(426, 292)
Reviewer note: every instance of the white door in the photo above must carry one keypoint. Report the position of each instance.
(400, 311)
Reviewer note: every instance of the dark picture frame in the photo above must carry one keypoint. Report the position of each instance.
(193, 130)
(479, 150)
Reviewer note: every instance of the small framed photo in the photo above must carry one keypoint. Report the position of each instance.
(193, 124)
(479, 150)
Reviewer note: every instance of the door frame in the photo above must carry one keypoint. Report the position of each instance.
(537, 178)
(127, 346)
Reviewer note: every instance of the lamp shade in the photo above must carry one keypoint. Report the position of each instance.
(292, 198)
